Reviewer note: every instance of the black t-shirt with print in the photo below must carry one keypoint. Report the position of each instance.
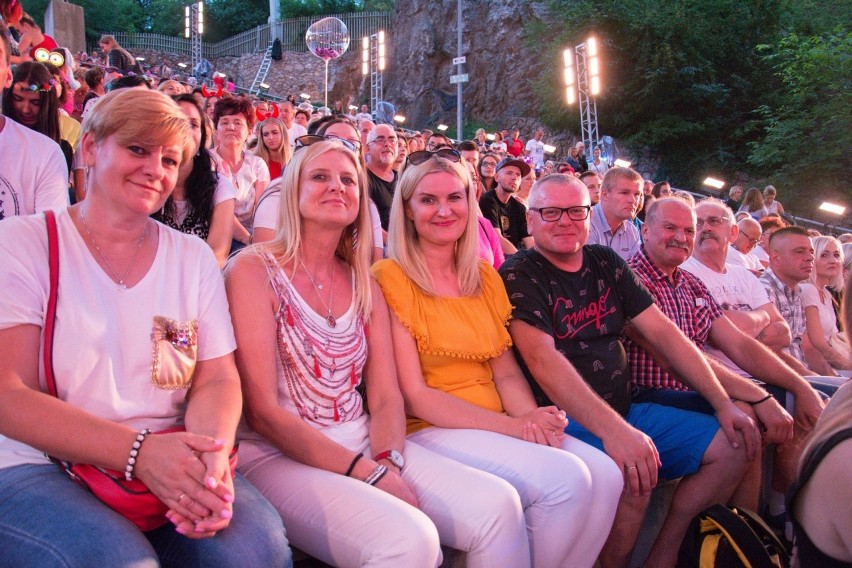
(381, 192)
(585, 312)
(509, 218)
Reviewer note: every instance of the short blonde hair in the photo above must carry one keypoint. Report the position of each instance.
(141, 116)
(404, 242)
(168, 83)
(288, 239)
(820, 244)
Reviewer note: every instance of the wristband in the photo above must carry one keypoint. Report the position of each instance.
(764, 399)
(352, 465)
(134, 451)
(377, 474)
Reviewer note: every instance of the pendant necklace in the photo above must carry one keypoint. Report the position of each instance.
(121, 285)
(329, 319)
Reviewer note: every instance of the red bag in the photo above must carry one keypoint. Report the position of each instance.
(131, 499)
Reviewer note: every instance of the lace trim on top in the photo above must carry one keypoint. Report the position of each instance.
(425, 344)
(321, 366)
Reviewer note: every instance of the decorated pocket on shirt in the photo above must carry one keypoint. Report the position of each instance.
(175, 351)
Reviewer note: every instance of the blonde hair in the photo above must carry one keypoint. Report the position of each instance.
(820, 244)
(168, 83)
(140, 116)
(288, 240)
(263, 150)
(404, 242)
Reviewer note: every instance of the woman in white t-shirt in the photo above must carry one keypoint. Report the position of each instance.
(820, 317)
(202, 203)
(142, 343)
(234, 119)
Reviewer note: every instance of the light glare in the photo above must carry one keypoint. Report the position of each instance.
(832, 208)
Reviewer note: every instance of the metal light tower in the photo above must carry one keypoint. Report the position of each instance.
(588, 85)
(373, 63)
(193, 28)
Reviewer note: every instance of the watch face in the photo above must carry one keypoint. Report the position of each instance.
(396, 459)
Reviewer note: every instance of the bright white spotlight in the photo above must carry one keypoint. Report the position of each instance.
(832, 208)
(713, 182)
(592, 46)
(399, 118)
(548, 149)
(442, 127)
(622, 164)
(596, 86)
(305, 96)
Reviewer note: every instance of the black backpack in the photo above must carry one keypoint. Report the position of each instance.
(731, 538)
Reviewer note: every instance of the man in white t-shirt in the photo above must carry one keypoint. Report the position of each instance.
(33, 173)
(294, 130)
(364, 114)
(739, 293)
(740, 252)
(535, 149)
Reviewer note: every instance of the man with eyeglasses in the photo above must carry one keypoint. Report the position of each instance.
(612, 218)
(748, 234)
(381, 155)
(719, 308)
(571, 304)
(506, 214)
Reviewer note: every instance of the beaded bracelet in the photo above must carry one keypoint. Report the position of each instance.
(377, 474)
(352, 465)
(134, 451)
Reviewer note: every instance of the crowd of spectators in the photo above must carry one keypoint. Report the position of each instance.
(417, 341)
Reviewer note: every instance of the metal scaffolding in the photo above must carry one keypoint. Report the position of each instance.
(588, 105)
(377, 65)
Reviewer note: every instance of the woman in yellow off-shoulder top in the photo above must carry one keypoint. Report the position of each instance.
(464, 393)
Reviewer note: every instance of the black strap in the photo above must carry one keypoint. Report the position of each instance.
(813, 461)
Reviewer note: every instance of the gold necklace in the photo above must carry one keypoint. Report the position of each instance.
(121, 285)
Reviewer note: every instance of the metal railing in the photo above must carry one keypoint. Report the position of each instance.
(255, 40)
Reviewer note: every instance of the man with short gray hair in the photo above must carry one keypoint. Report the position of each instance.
(739, 253)
(381, 156)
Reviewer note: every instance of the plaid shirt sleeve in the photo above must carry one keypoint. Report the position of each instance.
(687, 302)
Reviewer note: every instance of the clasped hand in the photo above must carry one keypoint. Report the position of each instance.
(190, 474)
(544, 425)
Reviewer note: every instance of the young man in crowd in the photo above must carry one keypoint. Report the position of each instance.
(612, 218)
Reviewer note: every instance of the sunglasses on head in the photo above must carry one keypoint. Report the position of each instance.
(311, 139)
(421, 156)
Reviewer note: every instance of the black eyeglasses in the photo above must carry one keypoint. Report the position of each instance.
(553, 214)
(420, 156)
(311, 139)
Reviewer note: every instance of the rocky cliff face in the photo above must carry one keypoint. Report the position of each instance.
(424, 42)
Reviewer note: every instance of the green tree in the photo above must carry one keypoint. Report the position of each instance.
(681, 78)
(805, 135)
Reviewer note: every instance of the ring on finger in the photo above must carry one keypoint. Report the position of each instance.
(632, 467)
(180, 497)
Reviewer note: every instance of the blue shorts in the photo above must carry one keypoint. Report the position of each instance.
(681, 437)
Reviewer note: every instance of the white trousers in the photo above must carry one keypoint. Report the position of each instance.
(345, 522)
(569, 494)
